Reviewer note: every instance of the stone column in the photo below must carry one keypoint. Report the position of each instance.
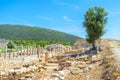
(24, 51)
(54, 52)
(35, 50)
(38, 51)
(21, 51)
(46, 57)
(17, 52)
(41, 50)
(13, 55)
(0, 54)
(32, 50)
(5, 52)
(27, 50)
(9, 55)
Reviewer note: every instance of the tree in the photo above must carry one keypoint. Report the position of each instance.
(41, 43)
(95, 20)
(11, 45)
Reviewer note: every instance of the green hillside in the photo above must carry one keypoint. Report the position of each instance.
(23, 32)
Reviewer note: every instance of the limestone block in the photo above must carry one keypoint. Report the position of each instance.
(75, 71)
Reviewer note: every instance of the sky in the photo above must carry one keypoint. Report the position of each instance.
(61, 15)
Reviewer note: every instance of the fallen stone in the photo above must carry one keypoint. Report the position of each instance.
(23, 78)
(75, 71)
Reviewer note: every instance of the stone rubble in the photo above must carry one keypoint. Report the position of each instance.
(87, 65)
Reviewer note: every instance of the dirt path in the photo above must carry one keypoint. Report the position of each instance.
(116, 50)
(112, 62)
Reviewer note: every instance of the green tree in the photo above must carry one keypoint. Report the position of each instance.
(41, 43)
(11, 45)
(95, 20)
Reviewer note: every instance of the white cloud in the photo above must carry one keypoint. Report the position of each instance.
(67, 19)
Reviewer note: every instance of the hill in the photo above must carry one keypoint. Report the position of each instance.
(23, 32)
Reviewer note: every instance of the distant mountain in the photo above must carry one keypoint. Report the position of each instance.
(18, 32)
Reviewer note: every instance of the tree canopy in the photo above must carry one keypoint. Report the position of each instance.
(11, 45)
(94, 22)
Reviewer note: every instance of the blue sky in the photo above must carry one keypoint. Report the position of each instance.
(61, 15)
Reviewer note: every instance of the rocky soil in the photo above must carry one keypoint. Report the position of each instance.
(104, 65)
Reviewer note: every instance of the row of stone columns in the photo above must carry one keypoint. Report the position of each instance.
(35, 50)
(28, 51)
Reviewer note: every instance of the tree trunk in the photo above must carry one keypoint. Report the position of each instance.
(93, 44)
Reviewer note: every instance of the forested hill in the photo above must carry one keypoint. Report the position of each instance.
(18, 32)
